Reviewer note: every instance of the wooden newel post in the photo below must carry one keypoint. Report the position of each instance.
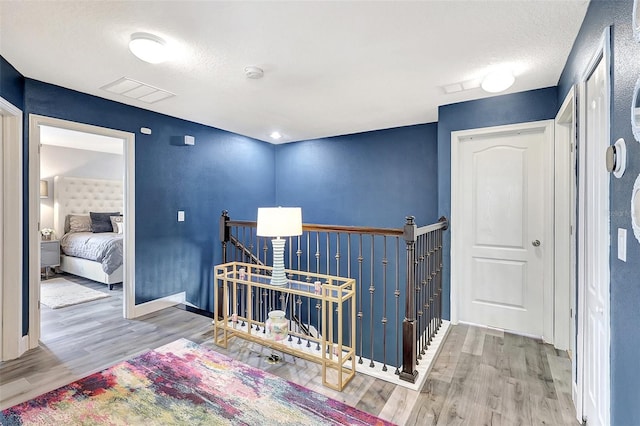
(224, 233)
(409, 372)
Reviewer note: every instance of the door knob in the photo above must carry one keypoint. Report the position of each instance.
(535, 243)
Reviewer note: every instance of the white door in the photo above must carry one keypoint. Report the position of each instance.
(596, 250)
(501, 229)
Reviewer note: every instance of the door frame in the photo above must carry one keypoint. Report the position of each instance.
(35, 121)
(548, 216)
(603, 52)
(12, 342)
(565, 187)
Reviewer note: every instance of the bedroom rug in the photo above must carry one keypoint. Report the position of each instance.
(183, 383)
(59, 292)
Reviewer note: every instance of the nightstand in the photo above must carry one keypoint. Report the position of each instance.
(49, 255)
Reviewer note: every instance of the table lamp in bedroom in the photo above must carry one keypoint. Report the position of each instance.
(279, 222)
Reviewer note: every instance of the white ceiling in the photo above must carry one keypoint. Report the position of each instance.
(331, 68)
(80, 140)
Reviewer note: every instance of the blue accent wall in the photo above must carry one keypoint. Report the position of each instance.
(222, 170)
(11, 84)
(366, 179)
(625, 284)
(520, 107)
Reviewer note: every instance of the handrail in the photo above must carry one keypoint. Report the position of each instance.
(395, 232)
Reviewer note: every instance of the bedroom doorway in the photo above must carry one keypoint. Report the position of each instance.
(86, 152)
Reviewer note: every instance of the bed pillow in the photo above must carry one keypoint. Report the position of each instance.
(101, 222)
(78, 223)
(117, 223)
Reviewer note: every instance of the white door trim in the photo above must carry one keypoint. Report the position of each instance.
(456, 215)
(564, 222)
(35, 121)
(566, 242)
(12, 343)
(602, 245)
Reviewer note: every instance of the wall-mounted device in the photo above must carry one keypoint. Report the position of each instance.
(635, 208)
(189, 140)
(616, 157)
(635, 111)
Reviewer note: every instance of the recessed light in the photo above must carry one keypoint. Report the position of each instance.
(498, 81)
(148, 47)
(275, 135)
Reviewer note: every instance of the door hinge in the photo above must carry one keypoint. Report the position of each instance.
(570, 229)
(571, 313)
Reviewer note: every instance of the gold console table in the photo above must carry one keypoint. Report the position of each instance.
(243, 297)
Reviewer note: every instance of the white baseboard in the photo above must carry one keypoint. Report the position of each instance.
(159, 304)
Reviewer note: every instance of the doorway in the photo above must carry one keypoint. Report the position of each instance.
(79, 172)
(36, 124)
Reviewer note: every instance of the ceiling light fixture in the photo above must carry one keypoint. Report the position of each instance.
(148, 47)
(275, 135)
(498, 81)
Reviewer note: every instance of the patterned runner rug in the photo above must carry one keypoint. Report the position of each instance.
(183, 383)
(59, 292)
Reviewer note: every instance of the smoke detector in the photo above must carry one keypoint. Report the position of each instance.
(253, 72)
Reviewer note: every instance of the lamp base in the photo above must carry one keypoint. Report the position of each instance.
(278, 276)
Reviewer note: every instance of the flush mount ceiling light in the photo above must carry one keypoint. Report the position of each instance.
(148, 47)
(275, 135)
(498, 81)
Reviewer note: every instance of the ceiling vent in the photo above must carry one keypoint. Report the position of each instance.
(136, 90)
(461, 86)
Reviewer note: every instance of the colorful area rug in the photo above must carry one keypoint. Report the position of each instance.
(58, 293)
(183, 383)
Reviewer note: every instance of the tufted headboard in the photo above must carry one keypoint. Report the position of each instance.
(74, 195)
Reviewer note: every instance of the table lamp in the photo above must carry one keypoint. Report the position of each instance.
(279, 222)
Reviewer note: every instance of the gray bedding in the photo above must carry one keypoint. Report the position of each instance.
(104, 247)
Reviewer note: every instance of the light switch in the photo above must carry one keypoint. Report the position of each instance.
(180, 215)
(622, 244)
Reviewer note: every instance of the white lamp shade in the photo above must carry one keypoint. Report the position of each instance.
(279, 221)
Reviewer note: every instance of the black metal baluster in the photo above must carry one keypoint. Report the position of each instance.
(299, 303)
(372, 290)
(396, 294)
(359, 316)
(384, 303)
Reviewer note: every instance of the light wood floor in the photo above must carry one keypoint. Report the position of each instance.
(481, 377)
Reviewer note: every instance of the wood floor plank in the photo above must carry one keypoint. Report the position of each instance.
(474, 341)
(447, 361)
(428, 405)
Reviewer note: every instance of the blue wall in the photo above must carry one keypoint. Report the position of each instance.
(625, 284)
(367, 179)
(521, 107)
(222, 171)
(11, 84)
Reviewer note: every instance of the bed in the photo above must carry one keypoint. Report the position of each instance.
(78, 197)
